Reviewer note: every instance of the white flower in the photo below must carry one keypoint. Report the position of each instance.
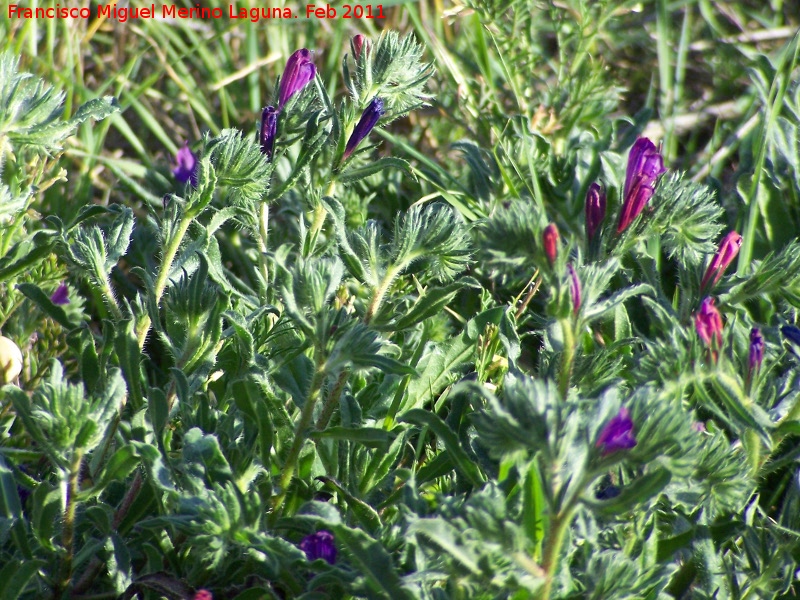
(10, 360)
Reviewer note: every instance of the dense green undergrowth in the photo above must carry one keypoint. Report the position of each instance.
(439, 322)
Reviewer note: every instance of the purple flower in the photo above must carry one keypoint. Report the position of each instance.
(186, 169)
(269, 126)
(300, 69)
(756, 354)
(727, 251)
(575, 289)
(645, 164)
(369, 118)
(61, 295)
(595, 209)
(550, 242)
(708, 323)
(617, 434)
(319, 545)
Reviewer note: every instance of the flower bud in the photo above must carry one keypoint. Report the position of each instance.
(617, 434)
(61, 296)
(186, 169)
(319, 545)
(550, 241)
(595, 209)
(269, 127)
(369, 118)
(645, 165)
(358, 42)
(708, 323)
(727, 251)
(299, 71)
(756, 352)
(10, 360)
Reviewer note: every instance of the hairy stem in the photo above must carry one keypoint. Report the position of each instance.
(567, 358)
(552, 549)
(300, 435)
(263, 232)
(332, 401)
(163, 276)
(68, 533)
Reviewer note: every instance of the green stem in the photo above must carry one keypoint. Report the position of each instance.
(68, 533)
(263, 232)
(300, 435)
(567, 358)
(163, 276)
(332, 401)
(319, 220)
(552, 549)
(380, 292)
(111, 302)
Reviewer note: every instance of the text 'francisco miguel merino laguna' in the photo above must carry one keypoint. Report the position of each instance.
(171, 11)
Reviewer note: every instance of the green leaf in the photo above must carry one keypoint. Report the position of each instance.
(42, 300)
(367, 516)
(130, 359)
(16, 575)
(387, 162)
(373, 562)
(533, 507)
(432, 302)
(637, 492)
(372, 437)
(450, 440)
(445, 537)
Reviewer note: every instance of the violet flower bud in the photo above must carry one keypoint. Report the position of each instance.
(727, 251)
(575, 289)
(708, 323)
(61, 296)
(756, 353)
(645, 164)
(358, 42)
(187, 164)
(369, 118)
(550, 241)
(269, 127)
(319, 545)
(617, 434)
(299, 71)
(595, 209)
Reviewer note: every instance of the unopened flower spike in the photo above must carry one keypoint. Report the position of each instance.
(319, 545)
(645, 165)
(269, 127)
(187, 165)
(708, 323)
(369, 118)
(617, 434)
(550, 241)
(595, 209)
(727, 251)
(61, 295)
(299, 71)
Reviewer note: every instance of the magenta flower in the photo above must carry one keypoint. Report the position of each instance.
(645, 165)
(575, 289)
(358, 42)
(595, 209)
(186, 169)
(617, 434)
(727, 251)
(550, 241)
(708, 323)
(299, 71)
(269, 127)
(203, 595)
(319, 545)
(369, 118)
(61, 296)
(756, 353)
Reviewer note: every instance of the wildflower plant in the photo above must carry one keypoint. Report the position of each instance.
(308, 360)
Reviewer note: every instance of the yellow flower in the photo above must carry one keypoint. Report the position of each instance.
(10, 360)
